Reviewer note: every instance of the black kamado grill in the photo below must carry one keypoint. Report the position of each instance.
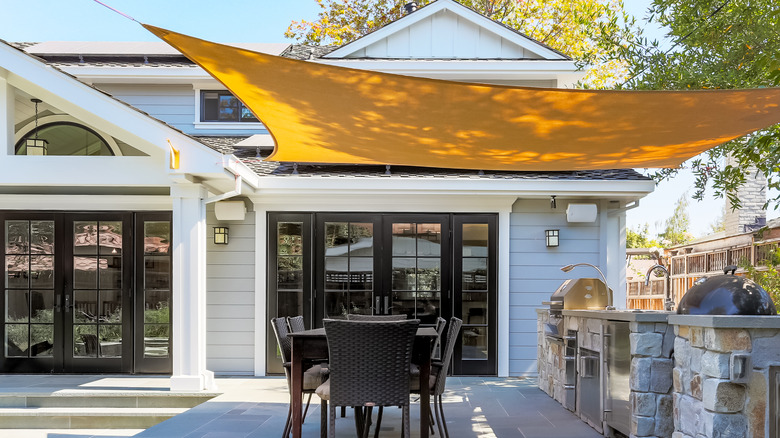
(726, 295)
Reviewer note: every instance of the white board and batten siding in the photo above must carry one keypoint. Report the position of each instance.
(444, 35)
(230, 299)
(534, 272)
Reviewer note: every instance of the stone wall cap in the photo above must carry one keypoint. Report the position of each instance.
(622, 315)
(727, 321)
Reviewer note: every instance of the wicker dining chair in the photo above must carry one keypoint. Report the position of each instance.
(441, 323)
(438, 378)
(295, 324)
(312, 377)
(359, 317)
(369, 366)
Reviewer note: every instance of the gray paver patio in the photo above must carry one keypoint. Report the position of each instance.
(256, 407)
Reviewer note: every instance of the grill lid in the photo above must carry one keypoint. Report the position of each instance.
(726, 295)
(581, 293)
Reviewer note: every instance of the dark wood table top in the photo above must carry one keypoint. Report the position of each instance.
(428, 332)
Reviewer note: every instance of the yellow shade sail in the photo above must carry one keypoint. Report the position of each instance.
(325, 114)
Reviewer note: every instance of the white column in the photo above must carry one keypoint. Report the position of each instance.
(261, 291)
(503, 291)
(189, 290)
(7, 98)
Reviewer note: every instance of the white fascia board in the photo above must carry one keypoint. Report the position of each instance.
(86, 202)
(479, 186)
(139, 75)
(433, 8)
(24, 170)
(103, 111)
(466, 69)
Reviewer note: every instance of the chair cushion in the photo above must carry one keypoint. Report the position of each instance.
(414, 378)
(312, 377)
(323, 391)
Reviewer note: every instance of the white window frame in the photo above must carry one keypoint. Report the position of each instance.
(198, 124)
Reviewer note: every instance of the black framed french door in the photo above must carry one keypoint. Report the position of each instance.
(330, 265)
(475, 290)
(69, 291)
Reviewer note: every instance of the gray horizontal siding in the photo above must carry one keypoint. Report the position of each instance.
(534, 270)
(173, 104)
(230, 300)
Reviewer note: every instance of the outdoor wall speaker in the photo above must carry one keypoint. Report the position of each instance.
(581, 212)
(230, 210)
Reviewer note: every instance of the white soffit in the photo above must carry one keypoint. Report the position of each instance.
(129, 48)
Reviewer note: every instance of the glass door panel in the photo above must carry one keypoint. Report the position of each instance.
(348, 268)
(97, 279)
(152, 336)
(475, 293)
(418, 270)
(29, 290)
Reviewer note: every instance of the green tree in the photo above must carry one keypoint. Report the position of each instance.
(586, 30)
(640, 238)
(676, 227)
(769, 279)
(715, 44)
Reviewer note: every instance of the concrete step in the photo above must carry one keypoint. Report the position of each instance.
(84, 417)
(103, 399)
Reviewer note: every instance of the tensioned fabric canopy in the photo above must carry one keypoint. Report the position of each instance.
(325, 114)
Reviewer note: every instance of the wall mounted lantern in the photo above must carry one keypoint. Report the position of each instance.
(36, 146)
(221, 235)
(551, 236)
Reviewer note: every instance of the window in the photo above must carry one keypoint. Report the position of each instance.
(65, 138)
(221, 106)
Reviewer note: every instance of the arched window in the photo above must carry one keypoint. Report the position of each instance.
(66, 138)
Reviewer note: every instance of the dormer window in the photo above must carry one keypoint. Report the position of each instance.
(222, 106)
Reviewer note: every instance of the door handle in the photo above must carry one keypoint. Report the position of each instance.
(57, 301)
(67, 303)
(387, 305)
(377, 308)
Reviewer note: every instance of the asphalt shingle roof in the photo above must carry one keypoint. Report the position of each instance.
(253, 158)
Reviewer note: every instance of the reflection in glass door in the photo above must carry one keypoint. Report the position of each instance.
(419, 278)
(348, 266)
(29, 291)
(68, 292)
(96, 278)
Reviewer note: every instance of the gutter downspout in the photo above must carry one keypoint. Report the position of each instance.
(235, 192)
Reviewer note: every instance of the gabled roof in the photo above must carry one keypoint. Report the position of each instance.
(452, 31)
(94, 106)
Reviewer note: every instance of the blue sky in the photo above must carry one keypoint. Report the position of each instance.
(263, 21)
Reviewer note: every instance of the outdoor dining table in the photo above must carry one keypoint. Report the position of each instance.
(313, 344)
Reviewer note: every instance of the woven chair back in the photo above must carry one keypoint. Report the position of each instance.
(369, 361)
(280, 330)
(358, 317)
(440, 324)
(295, 323)
(446, 358)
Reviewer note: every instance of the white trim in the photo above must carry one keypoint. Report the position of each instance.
(86, 202)
(246, 126)
(431, 9)
(502, 331)
(7, 111)
(261, 293)
(317, 187)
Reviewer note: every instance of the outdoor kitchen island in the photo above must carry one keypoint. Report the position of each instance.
(604, 362)
(662, 374)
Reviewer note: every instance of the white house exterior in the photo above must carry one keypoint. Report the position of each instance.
(132, 219)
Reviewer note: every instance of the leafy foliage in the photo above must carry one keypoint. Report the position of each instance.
(715, 44)
(768, 279)
(586, 30)
(640, 238)
(677, 226)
